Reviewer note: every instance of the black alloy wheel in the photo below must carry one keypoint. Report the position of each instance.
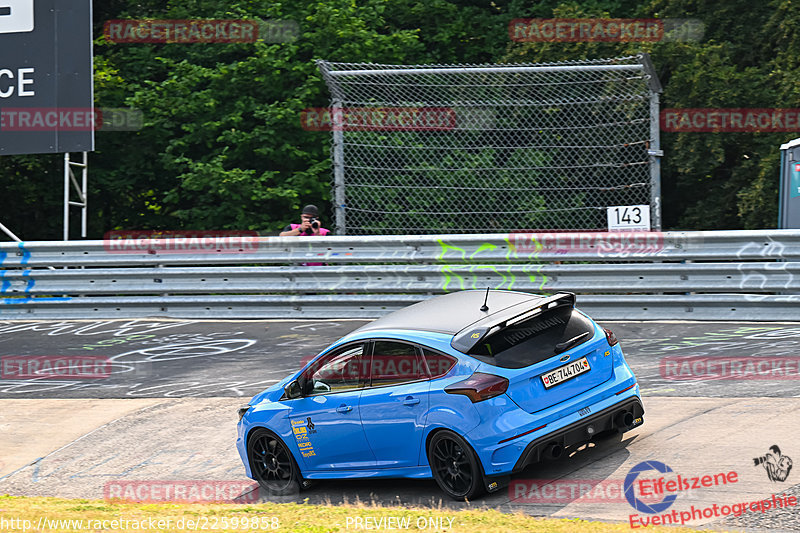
(455, 466)
(272, 464)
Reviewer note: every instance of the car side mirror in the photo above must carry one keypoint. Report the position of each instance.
(293, 390)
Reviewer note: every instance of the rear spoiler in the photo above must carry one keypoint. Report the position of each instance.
(467, 338)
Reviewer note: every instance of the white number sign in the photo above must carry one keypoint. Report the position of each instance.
(629, 217)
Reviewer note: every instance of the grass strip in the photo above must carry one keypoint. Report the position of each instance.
(18, 513)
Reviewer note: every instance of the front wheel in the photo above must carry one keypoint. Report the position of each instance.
(455, 466)
(272, 464)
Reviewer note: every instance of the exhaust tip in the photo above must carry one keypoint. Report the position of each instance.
(623, 419)
(553, 451)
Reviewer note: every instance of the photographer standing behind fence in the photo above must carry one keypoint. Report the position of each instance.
(309, 225)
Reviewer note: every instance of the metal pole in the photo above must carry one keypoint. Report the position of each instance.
(782, 185)
(9, 233)
(66, 197)
(654, 150)
(85, 194)
(655, 154)
(338, 167)
(472, 70)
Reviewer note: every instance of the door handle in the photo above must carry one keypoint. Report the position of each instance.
(344, 409)
(410, 400)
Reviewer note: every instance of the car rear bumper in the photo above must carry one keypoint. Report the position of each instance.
(614, 417)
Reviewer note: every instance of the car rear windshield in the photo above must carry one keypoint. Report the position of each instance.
(534, 340)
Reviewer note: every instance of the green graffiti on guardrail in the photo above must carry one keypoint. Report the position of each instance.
(482, 247)
(455, 281)
(471, 279)
(513, 250)
(446, 247)
(448, 272)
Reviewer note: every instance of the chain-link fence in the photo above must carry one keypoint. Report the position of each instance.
(492, 148)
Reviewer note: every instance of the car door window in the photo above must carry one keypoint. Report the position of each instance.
(394, 363)
(341, 370)
(439, 364)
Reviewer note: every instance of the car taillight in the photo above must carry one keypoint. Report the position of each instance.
(612, 339)
(479, 387)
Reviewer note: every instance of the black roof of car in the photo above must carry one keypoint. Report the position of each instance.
(450, 313)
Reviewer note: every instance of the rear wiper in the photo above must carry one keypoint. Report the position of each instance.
(566, 345)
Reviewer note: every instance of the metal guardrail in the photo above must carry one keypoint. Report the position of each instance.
(756, 277)
(736, 275)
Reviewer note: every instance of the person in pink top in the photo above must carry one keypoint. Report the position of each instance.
(309, 226)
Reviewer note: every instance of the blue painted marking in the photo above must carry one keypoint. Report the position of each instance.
(13, 301)
(31, 281)
(26, 255)
(3, 256)
(6, 283)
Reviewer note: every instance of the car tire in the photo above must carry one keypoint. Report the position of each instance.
(273, 465)
(455, 466)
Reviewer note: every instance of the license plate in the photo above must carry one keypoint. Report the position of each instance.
(563, 373)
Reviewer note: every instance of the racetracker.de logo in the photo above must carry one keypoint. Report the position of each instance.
(157, 491)
(181, 242)
(729, 368)
(587, 242)
(730, 120)
(585, 30)
(605, 30)
(54, 367)
(37, 119)
(562, 491)
(194, 31)
(381, 367)
(378, 119)
(181, 31)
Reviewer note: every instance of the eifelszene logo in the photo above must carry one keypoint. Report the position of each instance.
(777, 465)
(629, 485)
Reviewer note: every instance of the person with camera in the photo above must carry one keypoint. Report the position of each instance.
(309, 225)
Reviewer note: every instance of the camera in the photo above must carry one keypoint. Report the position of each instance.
(314, 226)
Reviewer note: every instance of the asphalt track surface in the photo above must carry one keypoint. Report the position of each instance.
(167, 412)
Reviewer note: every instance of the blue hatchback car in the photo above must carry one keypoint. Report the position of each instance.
(468, 388)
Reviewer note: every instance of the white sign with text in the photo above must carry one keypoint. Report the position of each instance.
(629, 217)
(16, 16)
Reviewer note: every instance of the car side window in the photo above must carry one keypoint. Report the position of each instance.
(394, 363)
(439, 364)
(338, 371)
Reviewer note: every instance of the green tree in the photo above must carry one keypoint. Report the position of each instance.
(222, 146)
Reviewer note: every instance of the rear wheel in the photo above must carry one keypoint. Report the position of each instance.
(272, 464)
(455, 466)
